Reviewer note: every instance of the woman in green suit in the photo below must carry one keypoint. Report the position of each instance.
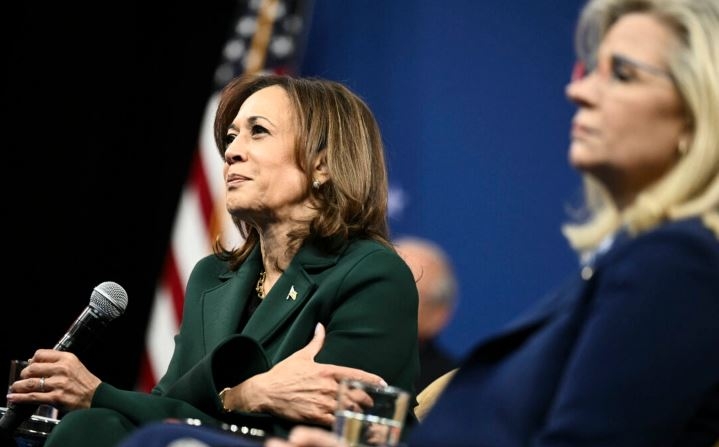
(315, 292)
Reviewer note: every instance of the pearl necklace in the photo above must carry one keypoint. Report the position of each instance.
(260, 287)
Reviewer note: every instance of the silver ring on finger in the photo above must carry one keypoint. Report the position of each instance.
(42, 384)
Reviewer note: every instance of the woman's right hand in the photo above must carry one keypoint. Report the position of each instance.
(297, 388)
(57, 378)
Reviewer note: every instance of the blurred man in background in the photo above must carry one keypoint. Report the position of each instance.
(438, 290)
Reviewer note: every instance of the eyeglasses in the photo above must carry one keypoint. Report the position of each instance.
(621, 68)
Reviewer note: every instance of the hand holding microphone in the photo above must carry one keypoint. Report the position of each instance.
(56, 376)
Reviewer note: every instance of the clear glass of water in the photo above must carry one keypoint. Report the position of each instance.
(370, 415)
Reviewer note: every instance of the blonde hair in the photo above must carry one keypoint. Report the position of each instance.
(334, 123)
(691, 187)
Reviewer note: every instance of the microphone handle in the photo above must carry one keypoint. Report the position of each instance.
(83, 331)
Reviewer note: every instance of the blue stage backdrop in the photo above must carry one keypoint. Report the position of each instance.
(104, 106)
(470, 97)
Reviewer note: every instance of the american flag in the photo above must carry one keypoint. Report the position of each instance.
(268, 36)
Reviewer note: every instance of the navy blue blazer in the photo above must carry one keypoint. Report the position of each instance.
(625, 355)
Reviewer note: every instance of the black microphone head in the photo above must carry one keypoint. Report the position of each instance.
(110, 299)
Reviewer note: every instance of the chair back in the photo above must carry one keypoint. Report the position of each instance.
(427, 397)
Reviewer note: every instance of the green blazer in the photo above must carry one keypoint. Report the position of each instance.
(364, 295)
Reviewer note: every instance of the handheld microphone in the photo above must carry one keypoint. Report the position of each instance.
(107, 302)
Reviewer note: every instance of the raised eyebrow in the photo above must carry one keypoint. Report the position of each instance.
(255, 118)
(629, 62)
(250, 121)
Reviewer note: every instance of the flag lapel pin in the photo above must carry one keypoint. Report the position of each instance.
(293, 294)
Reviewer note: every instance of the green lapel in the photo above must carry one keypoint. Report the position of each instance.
(290, 292)
(222, 306)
